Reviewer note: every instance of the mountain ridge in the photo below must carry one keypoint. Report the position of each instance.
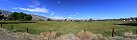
(35, 17)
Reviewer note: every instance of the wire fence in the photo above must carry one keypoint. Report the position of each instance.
(114, 33)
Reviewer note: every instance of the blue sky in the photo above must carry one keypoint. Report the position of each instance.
(79, 9)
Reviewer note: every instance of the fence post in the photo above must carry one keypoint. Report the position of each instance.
(112, 32)
(12, 27)
(126, 30)
(1, 25)
(27, 30)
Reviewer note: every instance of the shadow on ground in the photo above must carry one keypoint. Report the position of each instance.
(128, 24)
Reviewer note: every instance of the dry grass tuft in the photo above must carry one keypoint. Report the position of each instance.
(128, 34)
(69, 36)
(100, 37)
(85, 35)
(48, 35)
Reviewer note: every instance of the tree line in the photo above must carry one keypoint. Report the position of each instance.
(16, 16)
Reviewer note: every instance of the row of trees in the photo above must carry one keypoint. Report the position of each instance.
(49, 19)
(17, 16)
(129, 18)
(121, 19)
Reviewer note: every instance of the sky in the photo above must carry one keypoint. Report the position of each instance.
(73, 9)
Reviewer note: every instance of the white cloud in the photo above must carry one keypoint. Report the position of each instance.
(69, 17)
(12, 11)
(57, 17)
(72, 15)
(52, 14)
(15, 8)
(42, 10)
(77, 13)
(35, 4)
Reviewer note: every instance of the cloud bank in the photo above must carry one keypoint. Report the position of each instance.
(42, 10)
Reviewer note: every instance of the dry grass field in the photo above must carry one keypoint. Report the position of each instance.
(65, 27)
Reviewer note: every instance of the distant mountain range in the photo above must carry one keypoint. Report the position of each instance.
(38, 17)
(35, 17)
(5, 13)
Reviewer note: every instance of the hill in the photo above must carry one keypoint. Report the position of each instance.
(35, 17)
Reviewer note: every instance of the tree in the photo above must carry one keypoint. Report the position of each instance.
(49, 19)
(19, 16)
(1, 16)
(13, 16)
(0, 12)
(28, 17)
(65, 20)
(90, 19)
(136, 19)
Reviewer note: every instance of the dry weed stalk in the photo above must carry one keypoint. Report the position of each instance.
(48, 35)
(85, 35)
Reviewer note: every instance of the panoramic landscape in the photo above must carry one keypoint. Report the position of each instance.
(68, 20)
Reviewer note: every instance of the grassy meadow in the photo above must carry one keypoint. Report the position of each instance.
(65, 27)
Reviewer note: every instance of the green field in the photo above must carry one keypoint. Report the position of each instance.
(64, 27)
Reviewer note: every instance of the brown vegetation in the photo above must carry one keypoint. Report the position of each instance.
(82, 35)
(48, 35)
